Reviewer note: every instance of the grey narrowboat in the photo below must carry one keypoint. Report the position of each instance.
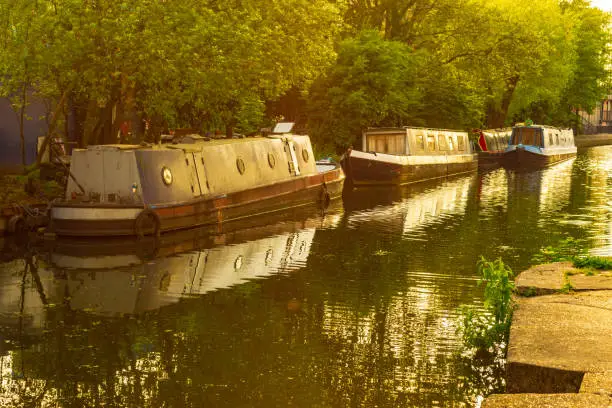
(492, 144)
(119, 190)
(395, 156)
(538, 146)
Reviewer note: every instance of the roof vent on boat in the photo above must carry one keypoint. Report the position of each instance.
(283, 127)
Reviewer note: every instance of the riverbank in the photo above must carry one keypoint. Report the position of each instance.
(24, 200)
(600, 139)
(560, 348)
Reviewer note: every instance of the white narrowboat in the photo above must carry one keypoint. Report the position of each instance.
(118, 190)
(395, 156)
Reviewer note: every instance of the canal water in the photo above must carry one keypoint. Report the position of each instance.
(353, 308)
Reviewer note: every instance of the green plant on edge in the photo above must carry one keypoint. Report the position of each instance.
(492, 328)
(566, 250)
(593, 262)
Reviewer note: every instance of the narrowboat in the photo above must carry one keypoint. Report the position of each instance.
(492, 144)
(396, 156)
(538, 146)
(119, 190)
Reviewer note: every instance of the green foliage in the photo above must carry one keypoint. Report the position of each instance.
(215, 65)
(593, 262)
(566, 250)
(567, 285)
(371, 84)
(196, 64)
(491, 329)
(529, 292)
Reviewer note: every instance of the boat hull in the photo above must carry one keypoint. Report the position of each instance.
(83, 219)
(490, 160)
(376, 169)
(524, 159)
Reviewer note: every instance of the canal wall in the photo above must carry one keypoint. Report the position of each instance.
(600, 139)
(560, 348)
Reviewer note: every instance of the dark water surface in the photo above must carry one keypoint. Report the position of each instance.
(356, 308)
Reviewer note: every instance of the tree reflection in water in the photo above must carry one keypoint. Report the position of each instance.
(365, 316)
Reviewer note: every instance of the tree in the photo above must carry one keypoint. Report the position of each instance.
(204, 64)
(371, 84)
(18, 59)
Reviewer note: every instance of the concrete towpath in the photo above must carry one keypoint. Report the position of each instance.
(560, 350)
(599, 139)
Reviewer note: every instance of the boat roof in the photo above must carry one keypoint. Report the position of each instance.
(498, 130)
(522, 125)
(402, 128)
(186, 146)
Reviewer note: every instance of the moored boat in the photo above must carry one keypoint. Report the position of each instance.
(538, 146)
(492, 144)
(395, 156)
(144, 190)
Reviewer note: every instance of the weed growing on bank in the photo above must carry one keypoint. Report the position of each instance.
(571, 249)
(489, 330)
(566, 250)
(593, 262)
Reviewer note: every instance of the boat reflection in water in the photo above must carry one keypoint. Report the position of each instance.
(546, 191)
(411, 207)
(188, 263)
(140, 286)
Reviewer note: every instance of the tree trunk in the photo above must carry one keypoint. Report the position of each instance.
(24, 96)
(77, 114)
(497, 117)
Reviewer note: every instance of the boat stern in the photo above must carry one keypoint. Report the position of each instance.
(90, 219)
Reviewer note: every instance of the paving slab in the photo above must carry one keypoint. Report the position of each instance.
(549, 278)
(556, 339)
(547, 401)
(597, 383)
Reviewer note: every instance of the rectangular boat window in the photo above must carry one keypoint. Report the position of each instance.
(396, 144)
(380, 144)
(460, 143)
(390, 144)
(451, 144)
(550, 139)
(490, 139)
(420, 142)
(431, 143)
(531, 136)
(442, 142)
(516, 136)
(557, 138)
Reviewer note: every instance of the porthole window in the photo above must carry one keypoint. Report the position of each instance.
(269, 256)
(271, 160)
(166, 175)
(238, 262)
(240, 165)
(305, 154)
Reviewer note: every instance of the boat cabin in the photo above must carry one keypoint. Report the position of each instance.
(542, 136)
(494, 140)
(406, 141)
